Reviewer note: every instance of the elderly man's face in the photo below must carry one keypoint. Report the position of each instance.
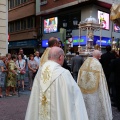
(37, 54)
(21, 51)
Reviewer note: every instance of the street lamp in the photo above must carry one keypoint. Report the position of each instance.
(64, 23)
(75, 21)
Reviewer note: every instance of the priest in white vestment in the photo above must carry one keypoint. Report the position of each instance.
(92, 82)
(55, 95)
(53, 41)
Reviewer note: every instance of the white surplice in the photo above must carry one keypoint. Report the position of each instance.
(92, 82)
(55, 95)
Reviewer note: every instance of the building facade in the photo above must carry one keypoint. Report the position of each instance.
(22, 25)
(68, 13)
(3, 27)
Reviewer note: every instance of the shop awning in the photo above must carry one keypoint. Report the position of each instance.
(115, 14)
(23, 44)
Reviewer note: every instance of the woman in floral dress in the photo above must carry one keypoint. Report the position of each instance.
(11, 78)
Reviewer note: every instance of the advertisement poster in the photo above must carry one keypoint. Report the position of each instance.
(116, 28)
(51, 25)
(103, 18)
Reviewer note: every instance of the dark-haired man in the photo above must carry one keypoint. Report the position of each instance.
(105, 61)
(53, 41)
(115, 67)
(22, 53)
(76, 63)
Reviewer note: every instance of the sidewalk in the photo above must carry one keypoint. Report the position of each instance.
(14, 108)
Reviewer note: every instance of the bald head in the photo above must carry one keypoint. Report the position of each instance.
(3, 57)
(53, 41)
(96, 54)
(56, 54)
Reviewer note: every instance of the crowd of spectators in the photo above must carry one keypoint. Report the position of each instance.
(13, 69)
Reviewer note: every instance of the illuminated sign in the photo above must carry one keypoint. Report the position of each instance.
(103, 18)
(77, 40)
(104, 41)
(116, 28)
(45, 43)
(82, 41)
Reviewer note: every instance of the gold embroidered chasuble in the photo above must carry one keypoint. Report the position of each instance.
(92, 82)
(46, 80)
(44, 57)
(89, 76)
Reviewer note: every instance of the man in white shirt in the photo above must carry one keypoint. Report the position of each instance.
(37, 57)
(55, 95)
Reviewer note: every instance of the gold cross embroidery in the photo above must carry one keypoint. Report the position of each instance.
(46, 74)
(44, 100)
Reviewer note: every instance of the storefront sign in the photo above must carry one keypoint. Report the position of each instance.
(104, 41)
(82, 41)
(23, 44)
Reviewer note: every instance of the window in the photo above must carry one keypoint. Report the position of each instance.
(12, 27)
(8, 27)
(11, 4)
(22, 1)
(17, 2)
(30, 22)
(8, 4)
(17, 25)
(14, 3)
(23, 24)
